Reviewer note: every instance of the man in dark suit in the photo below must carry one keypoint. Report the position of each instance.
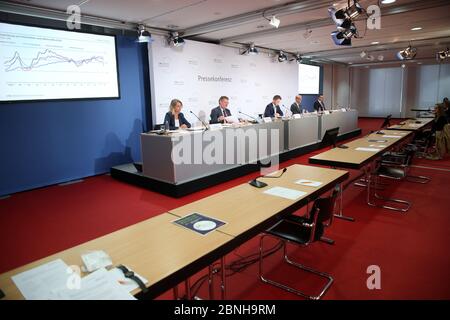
(296, 107)
(319, 106)
(273, 109)
(219, 113)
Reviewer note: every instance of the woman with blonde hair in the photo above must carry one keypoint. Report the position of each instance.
(442, 130)
(175, 118)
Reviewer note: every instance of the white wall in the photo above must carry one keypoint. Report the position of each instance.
(377, 92)
(251, 82)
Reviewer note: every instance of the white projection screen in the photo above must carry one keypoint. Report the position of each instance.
(308, 79)
(48, 64)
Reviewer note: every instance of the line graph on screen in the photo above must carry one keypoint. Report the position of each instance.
(45, 64)
(45, 58)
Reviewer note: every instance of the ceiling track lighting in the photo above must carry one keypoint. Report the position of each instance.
(297, 57)
(251, 50)
(282, 57)
(407, 54)
(273, 21)
(344, 20)
(442, 55)
(143, 35)
(175, 40)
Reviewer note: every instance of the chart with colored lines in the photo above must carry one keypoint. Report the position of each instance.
(47, 64)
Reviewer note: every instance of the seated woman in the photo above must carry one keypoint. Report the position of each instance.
(175, 117)
(442, 130)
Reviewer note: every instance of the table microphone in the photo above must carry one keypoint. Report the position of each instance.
(259, 184)
(247, 115)
(203, 122)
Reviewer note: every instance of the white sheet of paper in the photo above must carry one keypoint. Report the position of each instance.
(40, 283)
(286, 193)
(391, 136)
(96, 286)
(309, 183)
(267, 119)
(297, 116)
(368, 149)
(232, 119)
(129, 285)
(377, 146)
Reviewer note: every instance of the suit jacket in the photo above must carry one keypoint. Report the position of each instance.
(269, 112)
(217, 112)
(296, 109)
(170, 118)
(318, 106)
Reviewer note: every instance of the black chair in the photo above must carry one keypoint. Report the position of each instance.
(395, 165)
(302, 231)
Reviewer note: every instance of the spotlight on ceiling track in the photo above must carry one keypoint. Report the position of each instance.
(282, 57)
(275, 22)
(442, 55)
(143, 35)
(251, 50)
(344, 20)
(175, 40)
(297, 57)
(407, 54)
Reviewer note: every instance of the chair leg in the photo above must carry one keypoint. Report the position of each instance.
(327, 240)
(418, 179)
(297, 265)
(406, 204)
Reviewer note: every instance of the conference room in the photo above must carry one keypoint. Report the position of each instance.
(225, 150)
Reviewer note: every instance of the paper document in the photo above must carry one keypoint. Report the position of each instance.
(390, 136)
(96, 286)
(368, 149)
(41, 282)
(286, 193)
(378, 146)
(232, 119)
(116, 275)
(309, 183)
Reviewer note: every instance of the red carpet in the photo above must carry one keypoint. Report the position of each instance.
(411, 249)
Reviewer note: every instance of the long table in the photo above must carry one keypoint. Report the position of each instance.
(167, 254)
(158, 150)
(413, 124)
(352, 158)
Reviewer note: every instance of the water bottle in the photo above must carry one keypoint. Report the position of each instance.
(166, 126)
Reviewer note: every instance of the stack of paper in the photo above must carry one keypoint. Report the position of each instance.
(368, 149)
(286, 193)
(57, 281)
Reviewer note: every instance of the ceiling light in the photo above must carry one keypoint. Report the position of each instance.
(251, 50)
(442, 55)
(344, 20)
(275, 22)
(363, 54)
(416, 28)
(175, 40)
(387, 1)
(143, 35)
(375, 42)
(407, 54)
(297, 58)
(281, 56)
(380, 57)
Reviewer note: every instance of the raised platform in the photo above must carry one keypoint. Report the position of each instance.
(129, 174)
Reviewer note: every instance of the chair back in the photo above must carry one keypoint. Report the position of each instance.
(326, 207)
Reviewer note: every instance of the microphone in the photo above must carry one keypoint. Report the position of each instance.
(258, 184)
(203, 122)
(247, 115)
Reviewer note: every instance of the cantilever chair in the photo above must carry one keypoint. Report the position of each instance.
(301, 231)
(395, 165)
